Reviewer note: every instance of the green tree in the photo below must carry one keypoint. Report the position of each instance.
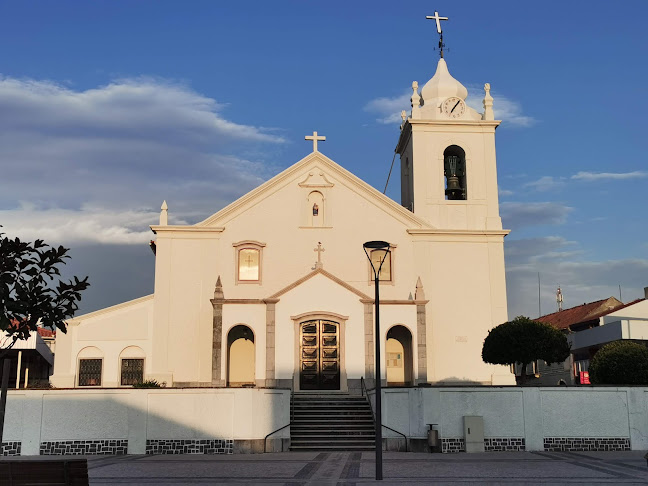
(620, 363)
(523, 340)
(31, 291)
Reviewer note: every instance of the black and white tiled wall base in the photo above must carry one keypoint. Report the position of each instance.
(559, 444)
(10, 448)
(491, 444)
(453, 445)
(495, 444)
(83, 447)
(190, 446)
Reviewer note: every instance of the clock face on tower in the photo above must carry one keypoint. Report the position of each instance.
(454, 107)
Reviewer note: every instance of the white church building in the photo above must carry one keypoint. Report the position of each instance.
(275, 289)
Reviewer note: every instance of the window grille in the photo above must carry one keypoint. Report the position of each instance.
(90, 372)
(132, 371)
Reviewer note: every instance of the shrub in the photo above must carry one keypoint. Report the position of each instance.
(620, 363)
(150, 384)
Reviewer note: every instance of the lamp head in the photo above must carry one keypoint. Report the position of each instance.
(376, 245)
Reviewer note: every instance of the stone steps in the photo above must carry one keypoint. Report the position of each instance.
(332, 422)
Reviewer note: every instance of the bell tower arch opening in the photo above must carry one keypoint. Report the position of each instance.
(454, 170)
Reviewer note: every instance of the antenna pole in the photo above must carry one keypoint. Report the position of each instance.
(539, 308)
(620, 298)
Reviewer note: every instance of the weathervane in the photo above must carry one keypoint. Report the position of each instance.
(439, 31)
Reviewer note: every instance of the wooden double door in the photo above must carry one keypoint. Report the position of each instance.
(319, 351)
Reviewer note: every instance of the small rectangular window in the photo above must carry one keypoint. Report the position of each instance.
(90, 372)
(248, 263)
(132, 371)
(383, 257)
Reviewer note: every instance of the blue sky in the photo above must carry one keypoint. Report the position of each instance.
(109, 107)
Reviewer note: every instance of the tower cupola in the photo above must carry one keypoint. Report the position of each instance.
(442, 86)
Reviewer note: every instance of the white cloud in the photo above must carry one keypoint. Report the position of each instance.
(504, 108)
(388, 109)
(94, 165)
(517, 214)
(84, 225)
(546, 183)
(505, 192)
(528, 250)
(601, 176)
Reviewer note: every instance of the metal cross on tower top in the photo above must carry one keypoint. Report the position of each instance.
(439, 30)
(438, 19)
(315, 138)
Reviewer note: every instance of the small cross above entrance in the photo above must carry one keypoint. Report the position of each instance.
(437, 18)
(319, 251)
(315, 138)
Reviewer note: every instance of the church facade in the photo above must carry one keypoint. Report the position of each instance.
(275, 290)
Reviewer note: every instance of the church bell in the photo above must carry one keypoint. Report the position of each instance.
(453, 173)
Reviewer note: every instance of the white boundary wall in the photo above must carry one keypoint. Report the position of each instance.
(201, 420)
(560, 418)
(139, 421)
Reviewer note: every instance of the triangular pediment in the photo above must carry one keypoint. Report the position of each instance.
(314, 170)
(324, 273)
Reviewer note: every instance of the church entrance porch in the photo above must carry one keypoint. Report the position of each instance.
(240, 356)
(399, 360)
(319, 355)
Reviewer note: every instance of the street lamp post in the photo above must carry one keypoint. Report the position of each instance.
(373, 246)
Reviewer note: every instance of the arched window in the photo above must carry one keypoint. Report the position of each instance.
(131, 366)
(398, 349)
(454, 169)
(316, 209)
(90, 366)
(240, 356)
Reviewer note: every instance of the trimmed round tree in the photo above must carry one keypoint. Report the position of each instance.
(620, 363)
(523, 340)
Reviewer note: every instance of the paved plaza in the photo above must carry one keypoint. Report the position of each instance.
(351, 468)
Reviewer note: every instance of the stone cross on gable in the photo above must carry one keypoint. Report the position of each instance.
(319, 251)
(438, 19)
(315, 138)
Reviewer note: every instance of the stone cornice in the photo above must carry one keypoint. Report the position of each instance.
(186, 229)
(457, 232)
(243, 301)
(395, 301)
(455, 123)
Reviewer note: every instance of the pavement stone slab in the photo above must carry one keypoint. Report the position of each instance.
(358, 468)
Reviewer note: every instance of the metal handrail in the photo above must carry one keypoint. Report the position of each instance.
(292, 417)
(274, 431)
(365, 393)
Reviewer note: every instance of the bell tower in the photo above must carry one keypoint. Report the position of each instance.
(447, 153)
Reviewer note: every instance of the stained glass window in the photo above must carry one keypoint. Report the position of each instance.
(90, 372)
(132, 371)
(248, 264)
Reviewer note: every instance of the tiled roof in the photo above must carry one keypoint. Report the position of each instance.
(46, 332)
(582, 313)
